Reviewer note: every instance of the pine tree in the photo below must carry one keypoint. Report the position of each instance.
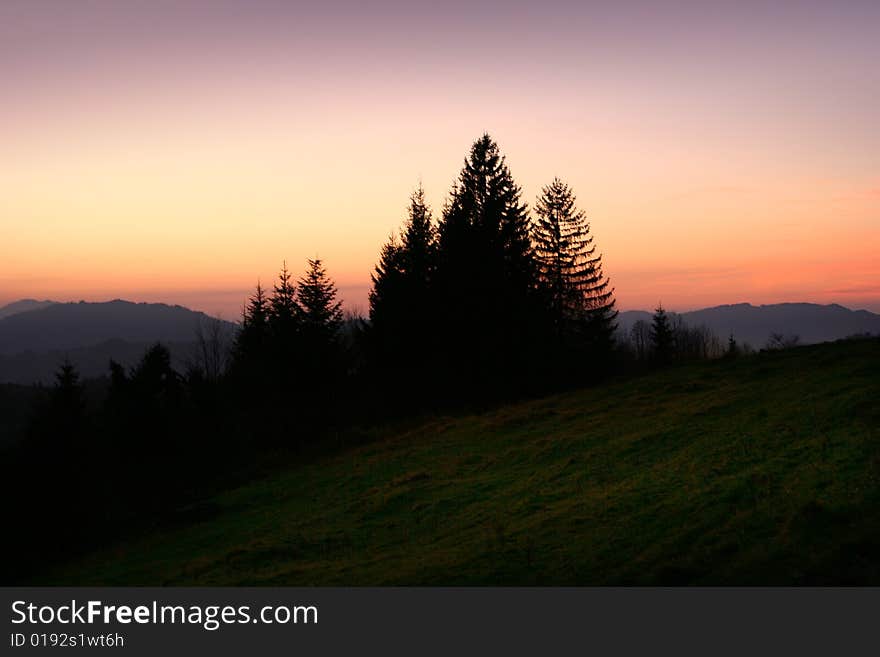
(661, 336)
(320, 358)
(406, 265)
(154, 378)
(256, 314)
(485, 211)
(284, 312)
(387, 297)
(486, 273)
(66, 407)
(59, 446)
(320, 312)
(401, 297)
(732, 348)
(253, 335)
(419, 241)
(580, 296)
(67, 393)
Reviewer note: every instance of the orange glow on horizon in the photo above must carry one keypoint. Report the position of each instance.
(185, 169)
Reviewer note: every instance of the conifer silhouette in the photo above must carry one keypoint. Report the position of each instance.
(419, 240)
(320, 312)
(401, 297)
(387, 297)
(580, 297)
(486, 274)
(661, 336)
(67, 395)
(253, 335)
(485, 210)
(284, 311)
(66, 412)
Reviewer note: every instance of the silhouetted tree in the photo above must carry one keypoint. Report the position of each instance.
(285, 350)
(320, 312)
(401, 297)
(118, 403)
(387, 296)
(254, 332)
(60, 425)
(320, 356)
(580, 296)
(154, 376)
(485, 209)
(732, 348)
(284, 312)
(67, 403)
(487, 278)
(152, 429)
(661, 337)
(419, 242)
(52, 470)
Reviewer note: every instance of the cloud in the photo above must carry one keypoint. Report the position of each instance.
(666, 274)
(857, 289)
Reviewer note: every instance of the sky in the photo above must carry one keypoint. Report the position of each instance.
(181, 151)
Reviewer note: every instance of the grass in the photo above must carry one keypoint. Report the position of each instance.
(764, 470)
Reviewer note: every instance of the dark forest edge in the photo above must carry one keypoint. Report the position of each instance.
(485, 305)
(759, 470)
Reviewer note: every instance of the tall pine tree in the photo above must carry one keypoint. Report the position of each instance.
(320, 312)
(320, 361)
(284, 312)
(62, 424)
(252, 338)
(485, 211)
(579, 295)
(401, 297)
(486, 272)
(419, 242)
(387, 298)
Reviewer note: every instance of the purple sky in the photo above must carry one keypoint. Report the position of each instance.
(171, 150)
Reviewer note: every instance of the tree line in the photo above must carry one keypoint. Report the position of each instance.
(667, 339)
(484, 302)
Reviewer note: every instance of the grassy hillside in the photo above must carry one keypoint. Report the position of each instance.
(763, 470)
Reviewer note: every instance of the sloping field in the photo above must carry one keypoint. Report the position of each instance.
(764, 470)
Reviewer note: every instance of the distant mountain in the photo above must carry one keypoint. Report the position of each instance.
(754, 324)
(75, 325)
(22, 306)
(34, 342)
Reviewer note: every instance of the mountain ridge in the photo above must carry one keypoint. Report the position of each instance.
(41, 334)
(23, 306)
(78, 324)
(34, 342)
(753, 324)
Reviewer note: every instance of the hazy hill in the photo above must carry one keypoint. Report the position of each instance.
(32, 343)
(93, 361)
(761, 470)
(754, 324)
(22, 306)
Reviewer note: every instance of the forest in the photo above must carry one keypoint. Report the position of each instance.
(486, 302)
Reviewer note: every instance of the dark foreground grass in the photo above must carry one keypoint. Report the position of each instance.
(764, 470)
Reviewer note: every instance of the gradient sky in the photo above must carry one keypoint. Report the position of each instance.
(178, 151)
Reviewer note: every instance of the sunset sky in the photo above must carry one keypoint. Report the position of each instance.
(178, 151)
